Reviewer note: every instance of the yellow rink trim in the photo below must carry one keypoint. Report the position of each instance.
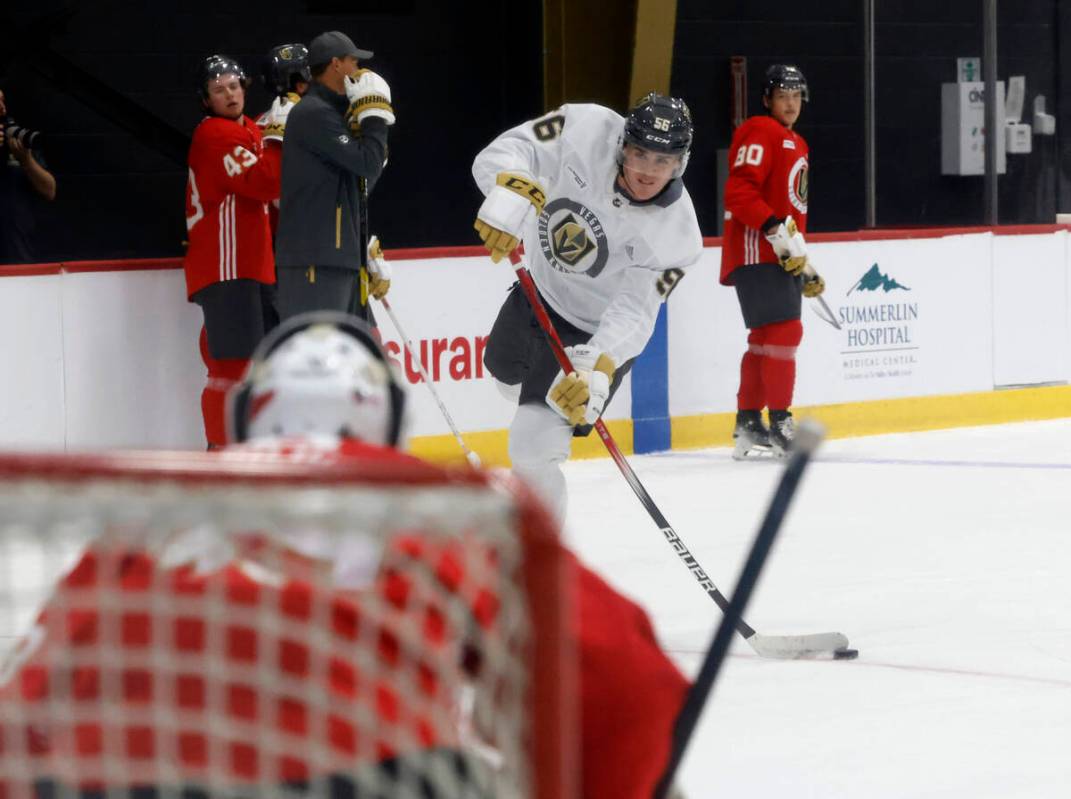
(905, 415)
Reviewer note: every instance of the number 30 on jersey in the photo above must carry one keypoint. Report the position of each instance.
(749, 154)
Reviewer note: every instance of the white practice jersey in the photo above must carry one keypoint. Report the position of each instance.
(603, 263)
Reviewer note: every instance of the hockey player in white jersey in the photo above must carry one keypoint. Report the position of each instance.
(608, 229)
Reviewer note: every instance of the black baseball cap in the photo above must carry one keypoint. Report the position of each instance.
(334, 44)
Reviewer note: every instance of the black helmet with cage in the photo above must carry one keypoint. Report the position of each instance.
(662, 124)
(785, 76)
(213, 67)
(286, 65)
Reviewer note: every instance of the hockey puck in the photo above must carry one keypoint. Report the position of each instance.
(845, 654)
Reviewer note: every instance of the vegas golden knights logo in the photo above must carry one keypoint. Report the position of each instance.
(572, 239)
(287, 54)
(571, 242)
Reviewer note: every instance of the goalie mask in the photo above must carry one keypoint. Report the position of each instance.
(320, 373)
(660, 124)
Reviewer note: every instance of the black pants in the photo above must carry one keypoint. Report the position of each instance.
(767, 294)
(518, 353)
(238, 313)
(321, 288)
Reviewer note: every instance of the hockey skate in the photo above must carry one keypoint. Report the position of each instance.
(751, 436)
(782, 431)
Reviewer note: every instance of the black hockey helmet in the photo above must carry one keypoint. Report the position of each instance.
(216, 65)
(286, 64)
(785, 76)
(662, 124)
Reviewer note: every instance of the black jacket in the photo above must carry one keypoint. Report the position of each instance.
(319, 204)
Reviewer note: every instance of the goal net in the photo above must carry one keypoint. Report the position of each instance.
(236, 625)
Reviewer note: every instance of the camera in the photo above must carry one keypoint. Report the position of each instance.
(24, 136)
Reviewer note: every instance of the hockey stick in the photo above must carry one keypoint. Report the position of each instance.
(471, 456)
(807, 439)
(809, 272)
(361, 308)
(771, 646)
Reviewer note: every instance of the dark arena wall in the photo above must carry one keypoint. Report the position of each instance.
(111, 85)
(916, 45)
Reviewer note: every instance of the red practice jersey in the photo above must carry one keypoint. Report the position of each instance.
(630, 693)
(767, 177)
(227, 194)
(119, 615)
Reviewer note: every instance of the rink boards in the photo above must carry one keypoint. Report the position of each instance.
(935, 326)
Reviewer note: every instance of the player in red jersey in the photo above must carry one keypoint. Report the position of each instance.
(230, 269)
(764, 256)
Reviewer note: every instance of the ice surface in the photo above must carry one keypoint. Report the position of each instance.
(945, 558)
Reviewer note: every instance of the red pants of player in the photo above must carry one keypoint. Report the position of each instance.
(768, 368)
(222, 374)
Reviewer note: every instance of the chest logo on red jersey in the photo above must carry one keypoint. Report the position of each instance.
(797, 185)
(572, 238)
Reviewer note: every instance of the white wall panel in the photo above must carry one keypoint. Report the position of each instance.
(110, 359)
(133, 367)
(1030, 309)
(915, 320)
(31, 363)
(706, 339)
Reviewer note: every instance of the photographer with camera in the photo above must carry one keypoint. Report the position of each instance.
(24, 182)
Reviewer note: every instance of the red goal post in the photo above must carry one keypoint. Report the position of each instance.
(241, 624)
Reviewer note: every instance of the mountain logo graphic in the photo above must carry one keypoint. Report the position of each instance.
(874, 280)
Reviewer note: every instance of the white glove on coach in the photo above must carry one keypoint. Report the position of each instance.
(378, 270)
(369, 95)
(580, 396)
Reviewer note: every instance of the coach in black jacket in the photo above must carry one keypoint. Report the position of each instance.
(336, 137)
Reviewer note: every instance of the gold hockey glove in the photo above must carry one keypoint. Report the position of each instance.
(813, 286)
(580, 396)
(500, 220)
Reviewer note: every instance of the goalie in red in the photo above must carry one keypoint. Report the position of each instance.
(321, 388)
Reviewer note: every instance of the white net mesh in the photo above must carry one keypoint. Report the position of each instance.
(172, 631)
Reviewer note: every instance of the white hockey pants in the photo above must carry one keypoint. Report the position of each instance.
(539, 442)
